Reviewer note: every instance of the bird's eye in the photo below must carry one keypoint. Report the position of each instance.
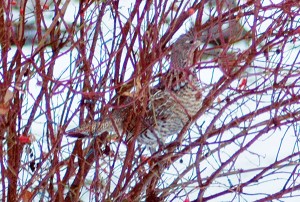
(189, 41)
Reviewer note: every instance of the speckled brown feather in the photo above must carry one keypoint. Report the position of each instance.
(170, 105)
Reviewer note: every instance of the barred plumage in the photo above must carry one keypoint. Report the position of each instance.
(180, 96)
(170, 107)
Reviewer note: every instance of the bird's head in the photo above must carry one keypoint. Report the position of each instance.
(183, 50)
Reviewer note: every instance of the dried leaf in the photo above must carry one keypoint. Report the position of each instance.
(4, 107)
(8, 96)
(27, 196)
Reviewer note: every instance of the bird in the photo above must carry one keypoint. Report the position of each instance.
(171, 104)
